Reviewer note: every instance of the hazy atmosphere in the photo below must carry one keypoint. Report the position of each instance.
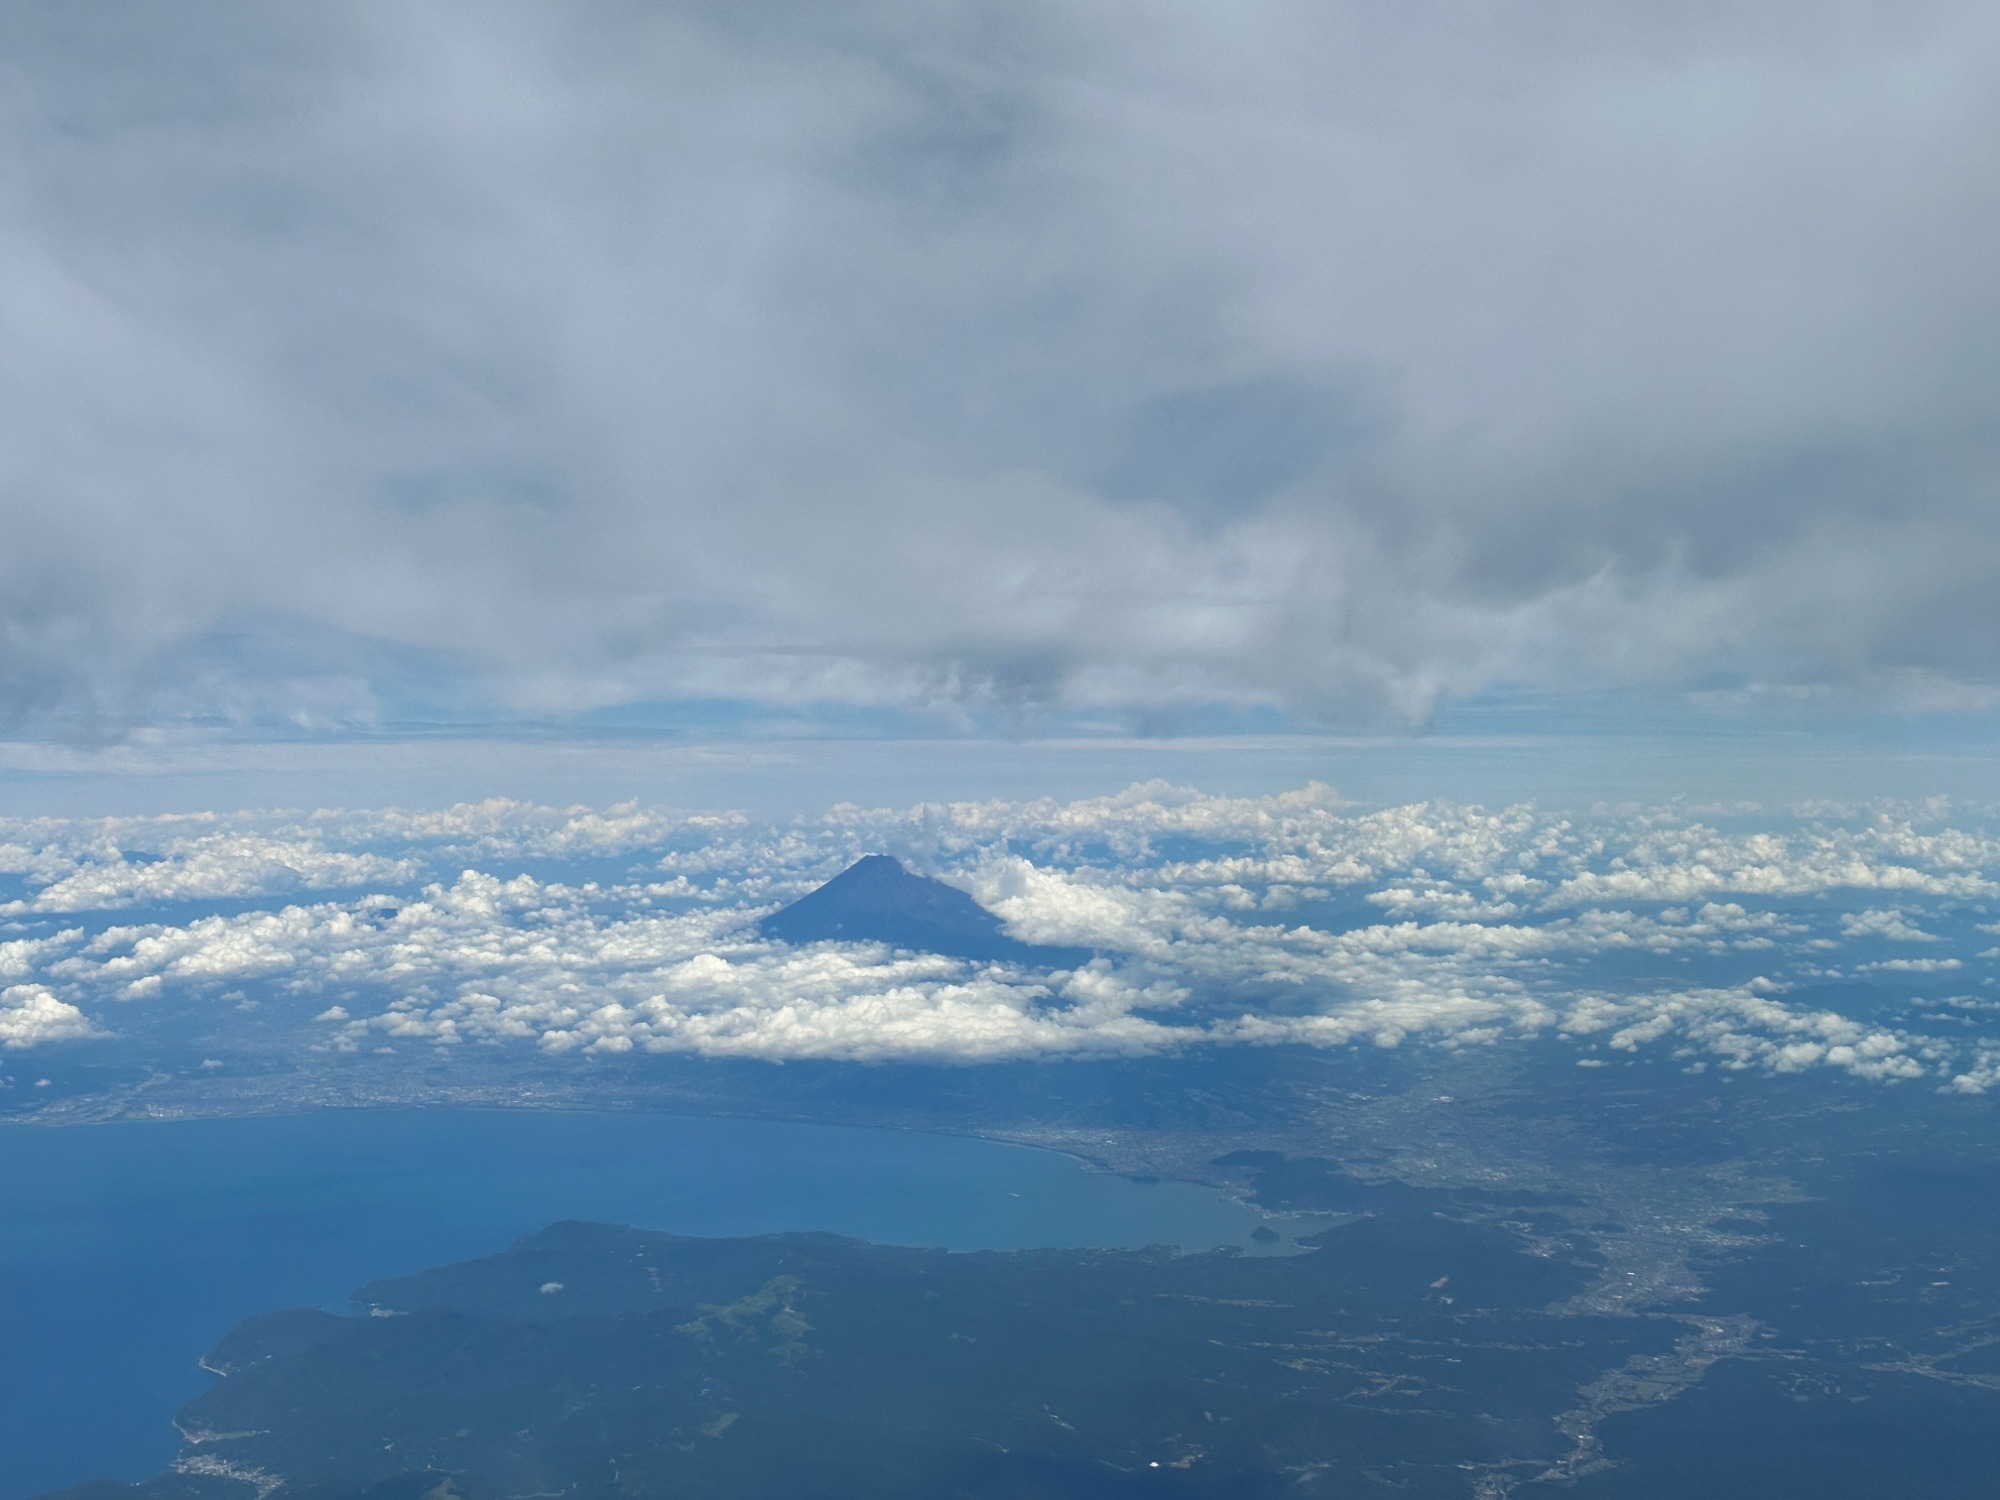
(1033, 751)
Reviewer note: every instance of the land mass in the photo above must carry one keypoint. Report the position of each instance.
(1402, 1352)
(1656, 1290)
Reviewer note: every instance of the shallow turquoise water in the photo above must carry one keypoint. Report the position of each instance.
(126, 1250)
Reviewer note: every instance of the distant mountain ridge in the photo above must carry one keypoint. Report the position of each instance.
(876, 900)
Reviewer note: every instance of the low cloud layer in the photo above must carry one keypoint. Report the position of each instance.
(30, 1016)
(362, 360)
(1854, 939)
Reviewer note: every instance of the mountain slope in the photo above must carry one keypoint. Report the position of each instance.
(876, 900)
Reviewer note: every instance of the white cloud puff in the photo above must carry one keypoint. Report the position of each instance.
(30, 1016)
(1890, 925)
(1750, 1027)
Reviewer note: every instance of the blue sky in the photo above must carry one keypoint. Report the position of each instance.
(583, 375)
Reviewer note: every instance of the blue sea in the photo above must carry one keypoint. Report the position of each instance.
(128, 1249)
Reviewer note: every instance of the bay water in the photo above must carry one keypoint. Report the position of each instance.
(128, 1249)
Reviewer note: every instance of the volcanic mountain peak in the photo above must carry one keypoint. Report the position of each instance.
(876, 900)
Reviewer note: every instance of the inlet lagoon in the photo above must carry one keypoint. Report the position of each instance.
(127, 1249)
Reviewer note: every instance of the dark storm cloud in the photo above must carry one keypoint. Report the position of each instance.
(1335, 356)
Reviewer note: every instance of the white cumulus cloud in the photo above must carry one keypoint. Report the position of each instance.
(30, 1015)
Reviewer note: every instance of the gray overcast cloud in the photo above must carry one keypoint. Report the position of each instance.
(1334, 356)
